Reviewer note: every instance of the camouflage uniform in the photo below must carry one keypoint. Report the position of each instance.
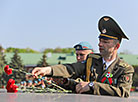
(121, 71)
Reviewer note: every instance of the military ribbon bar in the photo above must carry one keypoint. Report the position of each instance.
(107, 78)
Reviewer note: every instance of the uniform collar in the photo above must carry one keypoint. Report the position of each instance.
(108, 63)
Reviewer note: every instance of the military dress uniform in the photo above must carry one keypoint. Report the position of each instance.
(121, 75)
(116, 80)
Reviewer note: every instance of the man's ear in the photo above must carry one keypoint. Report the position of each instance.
(117, 46)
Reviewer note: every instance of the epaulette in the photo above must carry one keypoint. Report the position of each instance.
(124, 64)
(94, 55)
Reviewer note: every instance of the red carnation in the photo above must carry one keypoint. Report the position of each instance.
(11, 87)
(15, 88)
(7, 70)
(11, 82)
(6, 67)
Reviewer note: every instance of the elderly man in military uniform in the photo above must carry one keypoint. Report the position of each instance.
(104, 73)
(82, 50)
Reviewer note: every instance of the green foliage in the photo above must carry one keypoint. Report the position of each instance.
(26, 50)
(42, 62)
(2, 64)
(48, 50)
(16, 63)
(59, 50)
(2, 59)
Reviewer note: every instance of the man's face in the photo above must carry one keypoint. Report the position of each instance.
(106, 46)
(82, 54)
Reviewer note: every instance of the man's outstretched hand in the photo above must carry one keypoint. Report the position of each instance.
(41, 71)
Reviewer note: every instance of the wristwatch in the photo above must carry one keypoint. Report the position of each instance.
(91, 85)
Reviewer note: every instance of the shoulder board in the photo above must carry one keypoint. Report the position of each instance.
(94, 55)
(124, 64)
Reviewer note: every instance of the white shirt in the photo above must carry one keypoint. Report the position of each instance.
(108, 63)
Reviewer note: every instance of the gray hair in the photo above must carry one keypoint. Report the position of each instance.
(116, 41)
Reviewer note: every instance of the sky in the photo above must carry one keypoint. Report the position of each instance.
(40, 24)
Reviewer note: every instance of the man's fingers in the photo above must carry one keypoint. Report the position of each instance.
(41, 71)
(38, 73)
(82, 87)
(81, 90)
(35, 70)
(78, 88)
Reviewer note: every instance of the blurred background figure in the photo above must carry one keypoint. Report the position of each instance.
(82, 50)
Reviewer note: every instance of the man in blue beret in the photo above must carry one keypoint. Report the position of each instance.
(82, 50)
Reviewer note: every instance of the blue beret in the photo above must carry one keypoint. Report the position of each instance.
(83, 46)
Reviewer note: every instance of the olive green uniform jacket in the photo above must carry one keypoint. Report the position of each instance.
(121, 75)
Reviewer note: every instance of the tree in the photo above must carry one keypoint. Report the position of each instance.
(42, 62)
(47, 50)
(26, 50)
(2, 64)
(2, 60)
(16, 63)
(59, 50)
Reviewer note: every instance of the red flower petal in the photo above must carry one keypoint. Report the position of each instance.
(11, 82)
(9, 88)
(12, 88)
(110, 80)
(9, 71)
(6, 67)
(104, 78)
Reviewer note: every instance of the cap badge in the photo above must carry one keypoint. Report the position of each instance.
(78, 47)
(106, 19)
(104, 31)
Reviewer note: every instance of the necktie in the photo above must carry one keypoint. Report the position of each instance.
(104, 66)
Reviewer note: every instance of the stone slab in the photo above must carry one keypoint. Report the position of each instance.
(62, 97)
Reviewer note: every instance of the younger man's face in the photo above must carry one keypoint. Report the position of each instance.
(81, 55)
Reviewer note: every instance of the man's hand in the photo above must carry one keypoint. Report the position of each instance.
(41, 71)
(82, 87)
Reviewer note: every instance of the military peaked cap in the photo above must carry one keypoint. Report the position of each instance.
(110, 29)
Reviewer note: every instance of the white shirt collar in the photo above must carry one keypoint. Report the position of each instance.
(108, 63)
